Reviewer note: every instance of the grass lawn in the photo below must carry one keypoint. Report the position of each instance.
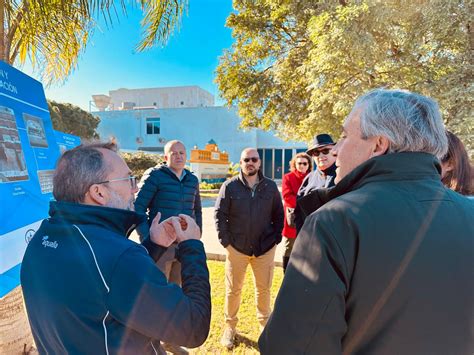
(248, 327)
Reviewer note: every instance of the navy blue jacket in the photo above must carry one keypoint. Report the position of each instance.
(90, 290)
(163, 192)
(251, 222)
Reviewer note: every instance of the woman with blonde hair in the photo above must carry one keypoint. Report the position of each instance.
(300, 166)
(457, 172)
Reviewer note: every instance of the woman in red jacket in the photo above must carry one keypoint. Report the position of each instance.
(300, 166)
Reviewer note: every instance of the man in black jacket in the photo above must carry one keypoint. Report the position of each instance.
(385, 266)
(322, 176)
(89, 289)
(249, 222)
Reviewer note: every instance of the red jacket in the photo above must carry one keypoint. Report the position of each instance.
(289, 188)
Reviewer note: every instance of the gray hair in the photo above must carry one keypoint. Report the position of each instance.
(411, 122)
(78, 169)
(168, 145)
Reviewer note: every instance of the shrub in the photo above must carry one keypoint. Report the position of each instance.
(139, 162)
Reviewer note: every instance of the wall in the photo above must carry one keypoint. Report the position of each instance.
(193, 126)
(172, 97)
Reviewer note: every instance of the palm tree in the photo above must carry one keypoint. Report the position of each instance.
(53, 33)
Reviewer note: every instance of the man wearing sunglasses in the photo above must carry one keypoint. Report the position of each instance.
(88, 289)
(249, 223)
(322, 176)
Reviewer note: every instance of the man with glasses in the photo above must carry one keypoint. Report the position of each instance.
(249, 222)
(322, 176)
(88, 289)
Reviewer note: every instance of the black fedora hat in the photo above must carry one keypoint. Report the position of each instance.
(319, 141)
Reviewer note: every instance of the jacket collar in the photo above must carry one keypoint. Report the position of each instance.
(300, 175)
(168, 171)
(389, 167)
(117, 220)
(242, 179)
(331, 171)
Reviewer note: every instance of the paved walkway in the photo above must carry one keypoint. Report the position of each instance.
(214, 250)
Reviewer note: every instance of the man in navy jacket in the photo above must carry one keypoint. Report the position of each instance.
(90, 290)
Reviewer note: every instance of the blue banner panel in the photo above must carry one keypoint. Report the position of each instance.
(28, 155)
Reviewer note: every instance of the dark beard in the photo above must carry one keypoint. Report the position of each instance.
(252, 173)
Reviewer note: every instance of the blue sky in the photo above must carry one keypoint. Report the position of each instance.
(111, 62)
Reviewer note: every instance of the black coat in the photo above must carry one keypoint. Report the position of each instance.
(163, 192)
(384, 267)
(251, 223)
(88, 288)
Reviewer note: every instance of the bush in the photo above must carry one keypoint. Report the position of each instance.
(213, 186)
(139, 162)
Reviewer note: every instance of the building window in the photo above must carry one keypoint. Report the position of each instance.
(275, 162)
(153, 125)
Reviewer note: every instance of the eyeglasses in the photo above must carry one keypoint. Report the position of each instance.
(324, 151)
(302, 163)
(133, 181)
(253, 159)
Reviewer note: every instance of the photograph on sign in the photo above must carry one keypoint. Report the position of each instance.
(12, 159)
(35, 130)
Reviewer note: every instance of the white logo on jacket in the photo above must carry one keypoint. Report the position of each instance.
(47, 243)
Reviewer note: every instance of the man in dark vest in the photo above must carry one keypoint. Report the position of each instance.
(170, 189)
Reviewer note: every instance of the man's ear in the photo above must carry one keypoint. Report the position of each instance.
(97, 195)
(381, 146)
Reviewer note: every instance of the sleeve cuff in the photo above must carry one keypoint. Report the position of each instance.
(155, 250)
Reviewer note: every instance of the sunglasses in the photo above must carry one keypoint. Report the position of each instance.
(133, 181)
(253, 159)
(324, 151)
(302, 163)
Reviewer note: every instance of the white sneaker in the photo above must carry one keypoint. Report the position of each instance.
(228, 338)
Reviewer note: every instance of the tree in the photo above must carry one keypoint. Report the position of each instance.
(139, 162)
(74, 120)
(297, 66)
(53, 33)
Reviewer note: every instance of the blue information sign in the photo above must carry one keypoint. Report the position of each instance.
(29, 149)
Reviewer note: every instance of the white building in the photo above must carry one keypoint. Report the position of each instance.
(148, 129)
(171, 97)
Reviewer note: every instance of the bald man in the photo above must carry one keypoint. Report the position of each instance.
(249, 222)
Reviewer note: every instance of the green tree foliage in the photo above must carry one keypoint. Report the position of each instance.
(53, 33)
(297, 66)
(74, 120)
(139, 162)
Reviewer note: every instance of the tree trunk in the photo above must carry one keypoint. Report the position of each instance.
(15, 333)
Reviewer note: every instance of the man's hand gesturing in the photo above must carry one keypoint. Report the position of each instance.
(162, 233)
(185, 228)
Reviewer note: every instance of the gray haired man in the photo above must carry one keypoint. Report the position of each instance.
(385, 265)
